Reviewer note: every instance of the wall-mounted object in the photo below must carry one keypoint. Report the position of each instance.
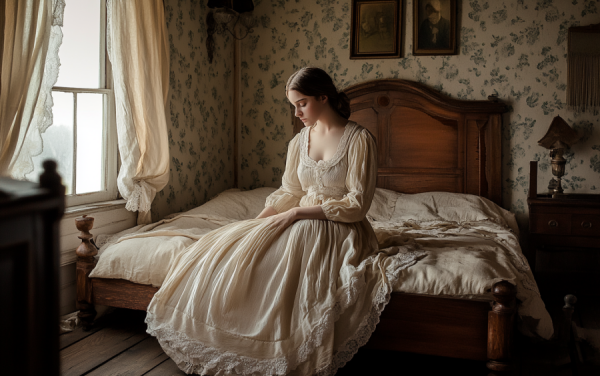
(560, 136)
(233, 17)
(434, 27)
(583, 65)
(375, 32)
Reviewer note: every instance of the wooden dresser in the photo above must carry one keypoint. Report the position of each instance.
(567, 223)
(29, 262)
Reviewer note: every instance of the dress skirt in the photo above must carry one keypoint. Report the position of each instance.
(250, 299)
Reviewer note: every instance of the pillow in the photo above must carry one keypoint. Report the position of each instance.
(383, 205)
(437, 206)
(236, 204)
(241, 205)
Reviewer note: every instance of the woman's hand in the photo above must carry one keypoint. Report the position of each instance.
(267, 212)
(286, 219)
(283, 220)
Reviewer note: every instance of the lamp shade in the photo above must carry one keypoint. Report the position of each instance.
(559, 135)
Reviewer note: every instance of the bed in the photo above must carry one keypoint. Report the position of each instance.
(427, 142)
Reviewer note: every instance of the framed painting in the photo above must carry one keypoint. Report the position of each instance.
(376, 29)
(434, 27)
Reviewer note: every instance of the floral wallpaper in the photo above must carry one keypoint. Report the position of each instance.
(200, 111)
(513, 48)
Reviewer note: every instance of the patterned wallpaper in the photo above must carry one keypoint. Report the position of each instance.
(200, 111)
(516, 49)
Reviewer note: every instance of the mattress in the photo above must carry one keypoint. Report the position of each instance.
(470, 244)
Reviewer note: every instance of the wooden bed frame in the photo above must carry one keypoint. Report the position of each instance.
(426, 142)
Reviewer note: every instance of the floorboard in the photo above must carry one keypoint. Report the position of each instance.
(166, 368)
(97, 349)
(135, 361)
(114, 336)
(67, 339)
(119, 345)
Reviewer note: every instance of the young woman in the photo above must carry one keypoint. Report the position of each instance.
(300, 288)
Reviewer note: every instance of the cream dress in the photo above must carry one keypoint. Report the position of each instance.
(251, 299)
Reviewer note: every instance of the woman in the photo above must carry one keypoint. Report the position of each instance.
(298, 289)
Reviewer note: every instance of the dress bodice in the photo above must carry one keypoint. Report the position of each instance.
(346, 181)
(325, 179)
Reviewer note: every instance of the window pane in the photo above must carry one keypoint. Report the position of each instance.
(80, 50)
(58, 141)
(89, 142)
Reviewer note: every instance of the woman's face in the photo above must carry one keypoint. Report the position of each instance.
(308, 108)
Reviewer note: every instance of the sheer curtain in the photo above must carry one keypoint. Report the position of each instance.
(32, 36)
(139, 54)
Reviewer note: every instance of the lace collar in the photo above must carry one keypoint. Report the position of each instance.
(339, 153)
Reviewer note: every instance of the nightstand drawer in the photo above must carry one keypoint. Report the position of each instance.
(554, 224)
(586, 225)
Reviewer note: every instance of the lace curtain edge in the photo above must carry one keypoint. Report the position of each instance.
(42, 119)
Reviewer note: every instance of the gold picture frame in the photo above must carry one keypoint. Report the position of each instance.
(434, 27)
(375, 30)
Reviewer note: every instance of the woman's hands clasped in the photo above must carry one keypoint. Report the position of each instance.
(283, 220)
(287, 218)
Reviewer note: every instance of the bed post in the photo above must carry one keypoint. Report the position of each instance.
(85, 264)
(501, 327)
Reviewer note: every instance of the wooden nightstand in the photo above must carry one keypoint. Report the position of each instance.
(568, 222)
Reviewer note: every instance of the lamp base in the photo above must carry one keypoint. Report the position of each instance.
(555, 187)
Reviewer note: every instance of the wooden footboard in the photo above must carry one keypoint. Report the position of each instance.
(456, 328)
(501, 327)
(122, 294)
(433, 326)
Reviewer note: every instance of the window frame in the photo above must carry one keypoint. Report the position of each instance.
(109, 131)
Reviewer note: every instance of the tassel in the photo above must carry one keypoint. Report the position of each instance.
(583, 90)
(583, 68)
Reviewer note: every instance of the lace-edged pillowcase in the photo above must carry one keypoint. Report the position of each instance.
(390, 206)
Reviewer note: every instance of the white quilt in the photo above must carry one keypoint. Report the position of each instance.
(470, 242)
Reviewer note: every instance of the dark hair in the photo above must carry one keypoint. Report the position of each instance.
(315, 82)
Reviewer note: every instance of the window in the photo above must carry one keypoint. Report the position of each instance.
(82, 138)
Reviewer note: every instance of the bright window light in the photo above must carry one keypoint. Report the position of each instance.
(80, 50)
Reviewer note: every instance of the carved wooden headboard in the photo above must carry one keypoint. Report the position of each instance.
(427, 141)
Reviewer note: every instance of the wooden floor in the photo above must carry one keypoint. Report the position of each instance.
(119, 345)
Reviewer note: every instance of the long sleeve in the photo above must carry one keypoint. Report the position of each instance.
(290, 193)
(360, 182)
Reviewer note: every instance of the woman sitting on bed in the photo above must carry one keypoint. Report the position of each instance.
(298, 289)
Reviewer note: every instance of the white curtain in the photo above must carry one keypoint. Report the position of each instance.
(32, 36)
(139, 53)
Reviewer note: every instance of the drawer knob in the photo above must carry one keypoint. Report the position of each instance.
(553, 223)
(586, 224)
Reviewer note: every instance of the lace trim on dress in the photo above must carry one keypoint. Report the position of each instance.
(339, 153)
(324, 194)
(203, 359)
(366, 328)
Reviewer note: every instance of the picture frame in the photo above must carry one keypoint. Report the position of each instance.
(434, 27)
(376, 29)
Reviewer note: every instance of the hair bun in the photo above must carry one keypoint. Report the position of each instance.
(343, 105)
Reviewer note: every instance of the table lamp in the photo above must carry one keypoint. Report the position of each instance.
(560, 136)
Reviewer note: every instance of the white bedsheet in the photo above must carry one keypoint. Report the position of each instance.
(470, 242)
